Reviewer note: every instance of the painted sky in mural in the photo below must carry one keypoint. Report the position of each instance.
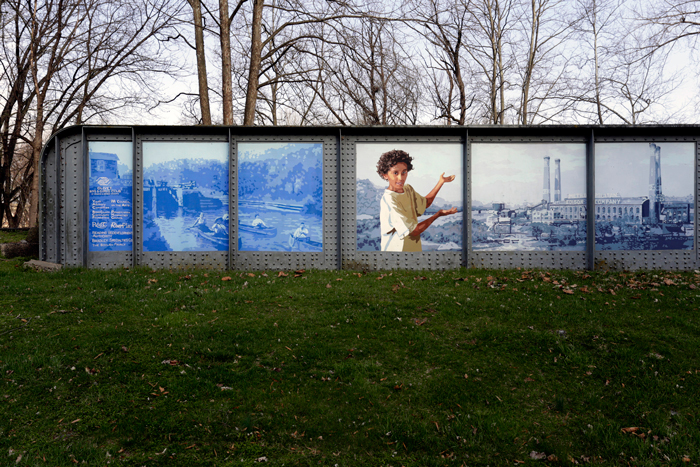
(185, 196)
(645, 196)
(280, 197)
(110, 190)
(528, 196)
(430, 160)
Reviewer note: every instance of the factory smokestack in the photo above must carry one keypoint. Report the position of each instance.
(545, 185)
(557, 180)
(655, 194)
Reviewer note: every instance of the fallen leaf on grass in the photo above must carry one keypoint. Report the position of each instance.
(328, 286)
(420, 322)
(631, 429)
(537, 455)
(568, 291)
(227, 278)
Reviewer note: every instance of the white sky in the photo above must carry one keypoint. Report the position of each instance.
(513, 173)
(429, 161)
(624, 168)
(155, 152)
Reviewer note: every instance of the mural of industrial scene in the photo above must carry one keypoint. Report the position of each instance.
(513, 205)
(110, 196)
(634, 210)
(280, 197)
(430, 162)
(185, 196)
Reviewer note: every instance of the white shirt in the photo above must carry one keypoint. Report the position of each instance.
(398, 216)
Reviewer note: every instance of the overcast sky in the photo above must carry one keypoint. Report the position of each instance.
(429, 161)
(624, 168)
(513, 173)
(155, 152)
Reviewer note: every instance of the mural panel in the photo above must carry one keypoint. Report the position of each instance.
(515, 205)
(110, 196)
(409, 196)
(637, 209)
(280, 197)
(185, 196)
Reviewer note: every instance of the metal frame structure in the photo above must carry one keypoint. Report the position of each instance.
(64, 198)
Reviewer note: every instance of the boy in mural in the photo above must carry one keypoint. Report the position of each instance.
(400, 205)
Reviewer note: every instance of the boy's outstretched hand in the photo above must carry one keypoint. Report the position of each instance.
(447, 179)
(447, 212)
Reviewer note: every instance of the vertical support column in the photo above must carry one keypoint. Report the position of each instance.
(590, 202)
(466, 201)
(86, 195)
(339, 224)
(137, 198)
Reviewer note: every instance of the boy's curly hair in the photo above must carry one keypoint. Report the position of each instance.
(390, 159)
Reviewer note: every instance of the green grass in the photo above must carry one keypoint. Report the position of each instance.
(8, 236)
(464, 367)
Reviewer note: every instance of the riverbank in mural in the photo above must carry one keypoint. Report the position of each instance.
(515, 205)
(645, 196)
(110, 196)
(430, 160)
(185, 196)
(280, 197)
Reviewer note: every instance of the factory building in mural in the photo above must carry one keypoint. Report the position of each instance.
(649, 221)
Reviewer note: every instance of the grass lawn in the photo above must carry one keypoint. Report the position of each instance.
(463, 367)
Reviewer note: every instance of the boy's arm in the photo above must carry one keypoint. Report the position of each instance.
(423, 225)
(430, 197)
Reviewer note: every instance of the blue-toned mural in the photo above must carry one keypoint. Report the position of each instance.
(280, 197)
(515, 205)
(436, 167)
(110, 192)
(185, 196)
(634, 209)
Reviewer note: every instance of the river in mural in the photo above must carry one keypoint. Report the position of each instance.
(280, 197)
(185, 196)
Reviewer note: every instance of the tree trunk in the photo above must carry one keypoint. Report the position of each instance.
(255, 61)
(226, 80)
(201, 61)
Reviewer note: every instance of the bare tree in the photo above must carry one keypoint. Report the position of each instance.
(73, 68)
(542, 64)
(445, 25)
(492, 27)
(601, 29)
(202, 78)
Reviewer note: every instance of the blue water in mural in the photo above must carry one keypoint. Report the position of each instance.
(280, 193)
(185, 197)
(110, 208)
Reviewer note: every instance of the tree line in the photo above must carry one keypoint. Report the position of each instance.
(330, 62)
